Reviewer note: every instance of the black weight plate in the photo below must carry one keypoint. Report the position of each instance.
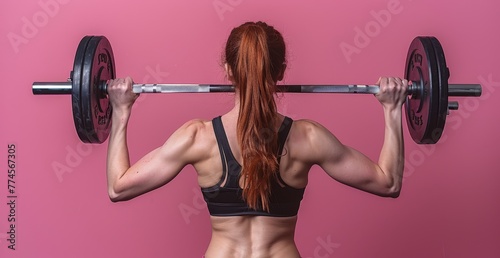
(422, 109)
(443, 88)
(98, 67)
(76, 96)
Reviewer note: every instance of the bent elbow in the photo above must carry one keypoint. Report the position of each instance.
(114, 196)
(119, 196)
(394, 194)
(394, 191)
(393, 186)
(390, 188)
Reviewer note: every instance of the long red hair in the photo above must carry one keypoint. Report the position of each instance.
(255, 54)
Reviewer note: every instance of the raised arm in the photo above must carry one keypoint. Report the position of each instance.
(157, 167)
(353, 168)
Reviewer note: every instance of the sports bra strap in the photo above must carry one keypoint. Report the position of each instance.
(230, 166)
(227, 200)
(222, 142)
(283, 135)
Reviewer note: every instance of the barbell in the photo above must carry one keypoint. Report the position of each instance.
(426, 105)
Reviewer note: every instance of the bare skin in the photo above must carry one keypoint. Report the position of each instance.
(308, 144)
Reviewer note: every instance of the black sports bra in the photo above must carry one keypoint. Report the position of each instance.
(227, 200)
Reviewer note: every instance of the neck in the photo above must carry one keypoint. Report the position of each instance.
(235, 111)
(236, 108)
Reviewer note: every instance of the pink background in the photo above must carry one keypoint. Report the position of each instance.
(449, 206)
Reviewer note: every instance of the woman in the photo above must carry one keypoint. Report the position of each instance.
(252, 162)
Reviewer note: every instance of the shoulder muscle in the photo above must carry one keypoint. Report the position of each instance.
(318, 142)
(188, 140)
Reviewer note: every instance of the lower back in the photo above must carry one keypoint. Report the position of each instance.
(252, 237)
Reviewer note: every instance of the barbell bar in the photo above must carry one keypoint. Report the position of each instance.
(56, 88)
(426, 106)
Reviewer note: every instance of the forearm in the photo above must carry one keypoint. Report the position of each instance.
(118, 161)
(391, 159)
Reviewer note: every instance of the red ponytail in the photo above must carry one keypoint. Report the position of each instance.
(255, 53)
